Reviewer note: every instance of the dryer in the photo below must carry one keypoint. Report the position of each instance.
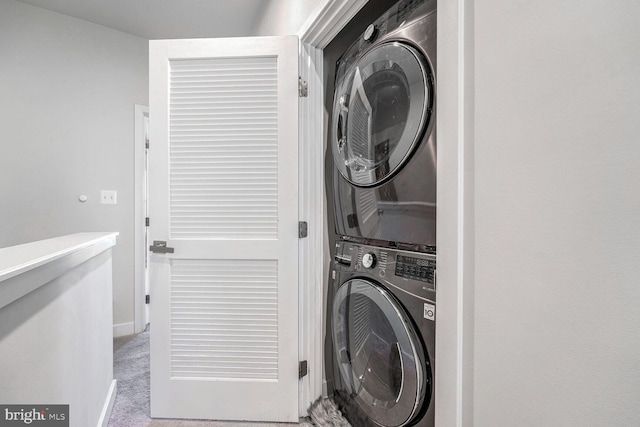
(382, 325)
(382, 131)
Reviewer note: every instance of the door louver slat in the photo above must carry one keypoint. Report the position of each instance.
(226, 326)
(223, 136)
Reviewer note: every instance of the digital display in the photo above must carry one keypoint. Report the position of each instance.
(415, 268)
(416, 261)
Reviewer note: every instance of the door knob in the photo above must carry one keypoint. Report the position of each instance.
(160, 247)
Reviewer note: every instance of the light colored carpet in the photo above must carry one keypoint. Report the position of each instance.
(131, 408)
(191, 423)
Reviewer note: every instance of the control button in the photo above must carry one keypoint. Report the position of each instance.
(368, 260)
(382, 273)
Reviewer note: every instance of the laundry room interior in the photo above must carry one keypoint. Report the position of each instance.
(241, 213)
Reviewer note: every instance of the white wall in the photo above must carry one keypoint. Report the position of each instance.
(68, 89)
(285, 17)
(557, 213)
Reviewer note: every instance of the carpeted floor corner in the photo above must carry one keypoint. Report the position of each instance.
(131, 407)
(131, 370)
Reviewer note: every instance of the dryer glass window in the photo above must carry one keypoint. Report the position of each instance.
(379, 355)
(380, 110)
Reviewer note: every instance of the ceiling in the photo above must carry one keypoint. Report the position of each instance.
(165, 19)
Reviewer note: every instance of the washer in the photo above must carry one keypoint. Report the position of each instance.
(382, 326)
(382, 131)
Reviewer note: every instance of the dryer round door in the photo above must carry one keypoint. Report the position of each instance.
(380, 358)
(381, 107)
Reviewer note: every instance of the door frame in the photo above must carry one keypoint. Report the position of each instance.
(455, 226)
(140, 252)
(315, 35)
(455, 216)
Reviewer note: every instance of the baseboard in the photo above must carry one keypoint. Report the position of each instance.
(108, 405)
(123, 329)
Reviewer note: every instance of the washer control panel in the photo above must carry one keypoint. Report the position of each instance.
(415, 268)
(413, 272)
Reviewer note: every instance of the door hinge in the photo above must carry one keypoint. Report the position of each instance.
(147, 299)
(146, 221)
(303, 369)
(146, 143)
(303, 229)
(303, 88)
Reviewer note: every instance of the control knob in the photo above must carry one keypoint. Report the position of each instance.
(370, 33)
(368, 260)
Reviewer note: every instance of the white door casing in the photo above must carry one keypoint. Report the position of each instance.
(224, 195)
(141, 122)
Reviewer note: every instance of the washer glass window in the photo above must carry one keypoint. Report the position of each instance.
(380, 358)
(380, 109)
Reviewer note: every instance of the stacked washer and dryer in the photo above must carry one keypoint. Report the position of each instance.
(382, 295)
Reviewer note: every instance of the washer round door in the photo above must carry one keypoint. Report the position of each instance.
(381, 107)
(380, 358)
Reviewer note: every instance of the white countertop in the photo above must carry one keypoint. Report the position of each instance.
(16, 260)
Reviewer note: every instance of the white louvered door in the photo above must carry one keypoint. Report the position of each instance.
(224, 195)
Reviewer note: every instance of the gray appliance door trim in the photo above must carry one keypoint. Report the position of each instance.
(381, 108)
(380, 357)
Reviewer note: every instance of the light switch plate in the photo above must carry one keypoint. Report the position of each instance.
(109, 197)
